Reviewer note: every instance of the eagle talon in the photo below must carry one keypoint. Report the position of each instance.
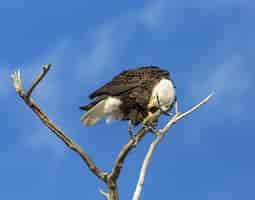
(151, 128)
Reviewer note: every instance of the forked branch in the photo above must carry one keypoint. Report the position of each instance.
(17, 83)
(159, 136)
(124, 152)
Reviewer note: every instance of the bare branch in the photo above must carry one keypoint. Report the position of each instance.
(145, 165)
(112, 189)
(124, 152)
(46, 68)
(47, 122)
(204, 101)
(160, 135)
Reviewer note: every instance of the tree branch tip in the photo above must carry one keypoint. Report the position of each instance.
(16, 79)
(46, 67)
(210, 95)
(176, 105)
(205, 100)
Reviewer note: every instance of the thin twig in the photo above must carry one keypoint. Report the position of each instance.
(47, 122)
(160, 135)
(204, 101)
(46, 68)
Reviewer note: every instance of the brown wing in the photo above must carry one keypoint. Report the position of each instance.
(120, 84)
(128, 80)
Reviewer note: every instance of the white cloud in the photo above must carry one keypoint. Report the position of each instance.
(110, 39)
(42, 139)
(103, 53)
(230, 81)
(154, 14)
(157, 11)
(224, 3)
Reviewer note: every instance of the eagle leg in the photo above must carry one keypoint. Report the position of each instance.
(147, 119)
(149, 122)
(131, 132)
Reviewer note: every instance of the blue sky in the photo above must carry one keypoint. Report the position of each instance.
(206, 45)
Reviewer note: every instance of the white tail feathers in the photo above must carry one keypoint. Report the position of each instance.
(94, 115)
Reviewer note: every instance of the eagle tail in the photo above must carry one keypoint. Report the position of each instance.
(94, 114)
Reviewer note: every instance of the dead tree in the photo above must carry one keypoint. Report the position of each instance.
(109, 178)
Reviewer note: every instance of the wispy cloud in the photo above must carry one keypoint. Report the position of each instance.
(156, 11)
(101, 56)
(224, 3)
(230, 81)
(154, 14)
(111, 38)
(40, 139)
(100, 52)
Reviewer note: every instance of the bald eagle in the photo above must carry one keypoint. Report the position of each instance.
(132, 95)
